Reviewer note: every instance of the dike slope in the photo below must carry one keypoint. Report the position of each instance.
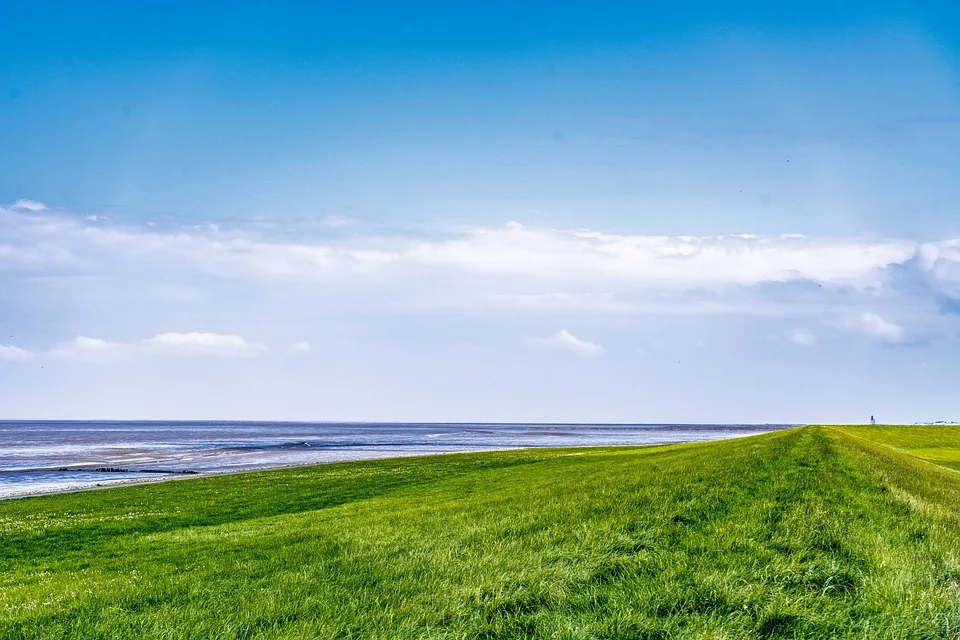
(817, 532)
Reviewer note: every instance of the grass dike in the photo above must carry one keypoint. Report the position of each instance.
(816, 532)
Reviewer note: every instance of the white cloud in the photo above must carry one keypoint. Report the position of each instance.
(29, 205)
(876, 326)
(206, 343)
(10, 353)
(299, 347)
(803, 338)
(482, 269)
(601, 302)
(213, 344)
(940, 261)
(566, 341)
(337, 221)
(660, 262)
(508, 260)
(87, 348)
(84, 343)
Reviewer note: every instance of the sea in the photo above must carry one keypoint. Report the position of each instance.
(50, 456)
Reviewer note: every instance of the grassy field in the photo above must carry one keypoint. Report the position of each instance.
(817, 532)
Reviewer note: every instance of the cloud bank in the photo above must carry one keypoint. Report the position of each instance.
(313, 320)
(891, 289)
(502, 258)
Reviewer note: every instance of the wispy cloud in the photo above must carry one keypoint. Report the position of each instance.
(29, 205)
(96, 349)
(217, 344)
(10, 353)
(877, 327)
(566, 341)
(337, 221)
(193, 343)
(300, 346)
(803, 338)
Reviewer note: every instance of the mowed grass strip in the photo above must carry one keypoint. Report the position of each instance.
(810, 533)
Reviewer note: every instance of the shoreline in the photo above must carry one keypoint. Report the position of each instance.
(227, 472)
(112, 484)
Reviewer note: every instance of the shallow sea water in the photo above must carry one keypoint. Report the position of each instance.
(46, 456)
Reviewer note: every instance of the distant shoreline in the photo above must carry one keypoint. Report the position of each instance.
(139, 453)
(227, 472)
(196, 475)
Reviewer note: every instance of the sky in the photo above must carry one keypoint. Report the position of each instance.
(633, 212)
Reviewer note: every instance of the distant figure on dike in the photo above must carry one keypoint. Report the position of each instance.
(873, 420)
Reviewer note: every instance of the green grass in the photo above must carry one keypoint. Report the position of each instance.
(817, 532)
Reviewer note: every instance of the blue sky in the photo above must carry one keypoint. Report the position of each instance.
(704, 212)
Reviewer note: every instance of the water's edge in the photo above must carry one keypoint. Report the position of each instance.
(42, 457)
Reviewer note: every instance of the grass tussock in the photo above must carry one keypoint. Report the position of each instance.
(810, 533)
